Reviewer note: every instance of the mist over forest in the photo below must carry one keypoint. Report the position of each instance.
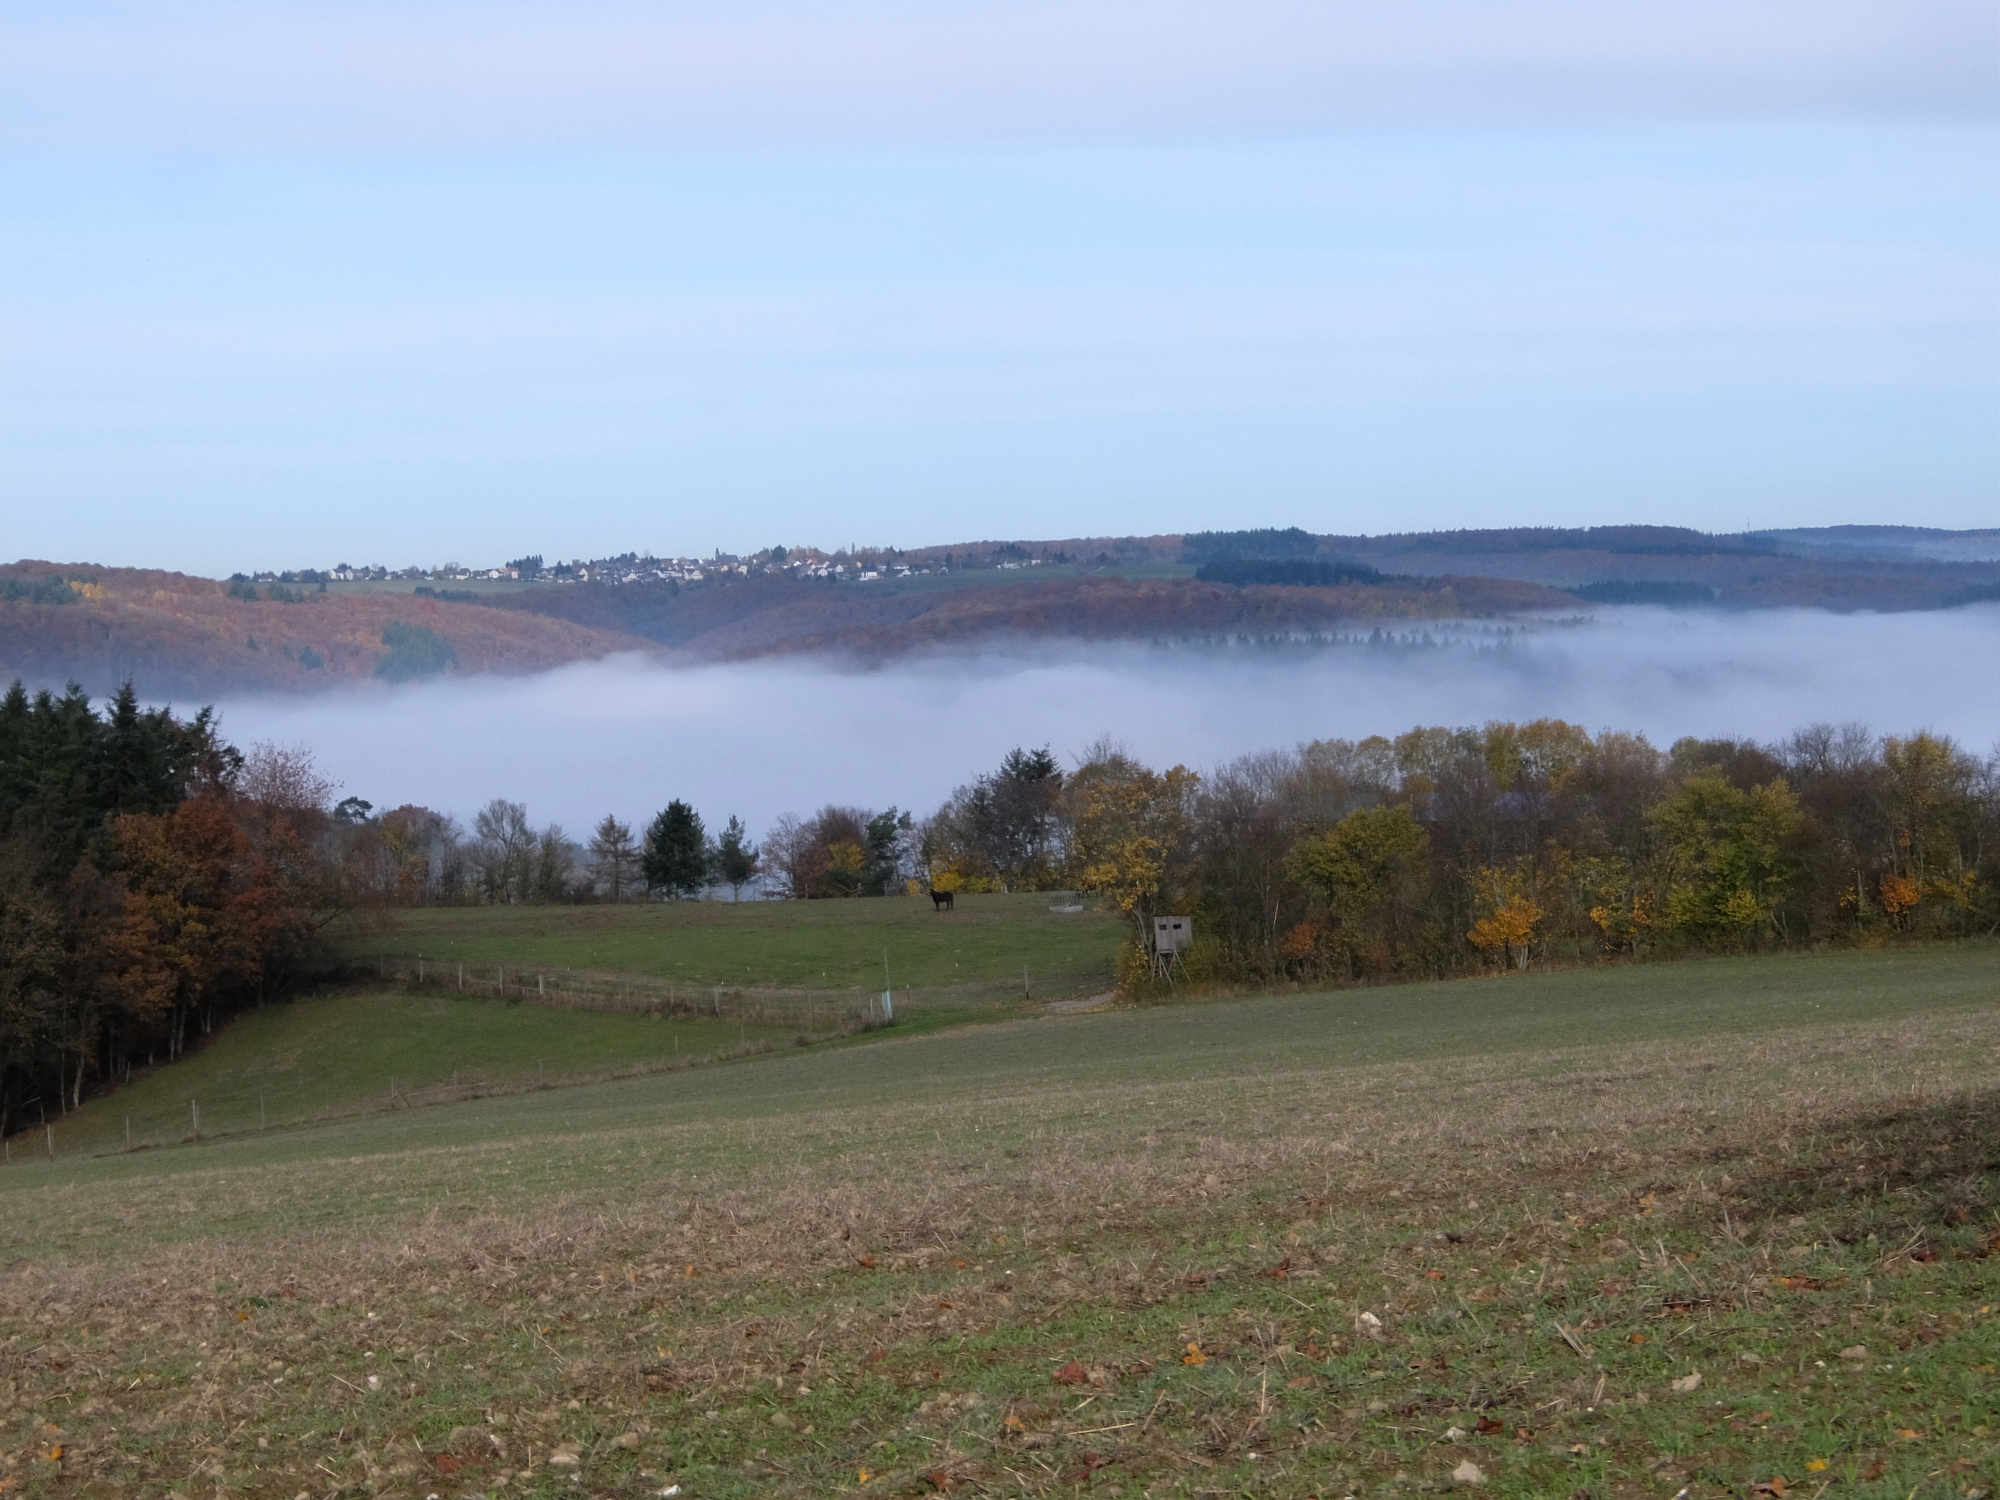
(761, 739)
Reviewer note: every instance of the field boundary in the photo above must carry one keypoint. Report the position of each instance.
(819, 1011)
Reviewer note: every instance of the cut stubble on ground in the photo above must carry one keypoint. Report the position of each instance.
(1038, 1259)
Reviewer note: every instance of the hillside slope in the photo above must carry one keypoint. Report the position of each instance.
(181, 636)
(738, 621)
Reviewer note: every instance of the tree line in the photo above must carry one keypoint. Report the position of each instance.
(415, 856)
(153, 880)
(1438, 851)
(1443, 851)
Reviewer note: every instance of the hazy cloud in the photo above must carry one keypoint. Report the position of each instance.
(243, 76)
(757, 740)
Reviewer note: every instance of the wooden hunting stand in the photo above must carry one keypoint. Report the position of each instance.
(1172, 936)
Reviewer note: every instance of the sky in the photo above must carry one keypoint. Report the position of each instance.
(284, 284)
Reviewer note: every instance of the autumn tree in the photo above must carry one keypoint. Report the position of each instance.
(1931, 793)
(1369, 874)
(1727, 859)
(1506, 929)
(1131, 835)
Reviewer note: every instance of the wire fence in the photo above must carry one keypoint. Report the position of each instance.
(813, 1011)
(818, 1011)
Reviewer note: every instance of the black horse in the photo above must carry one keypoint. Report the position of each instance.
(941, 900)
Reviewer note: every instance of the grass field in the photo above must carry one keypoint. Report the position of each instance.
(987, 940)
(352, 1050)
(1315, 1245)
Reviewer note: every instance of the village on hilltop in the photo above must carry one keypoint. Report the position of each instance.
(850, 565)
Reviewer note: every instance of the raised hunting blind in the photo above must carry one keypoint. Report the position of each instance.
(1172, 937)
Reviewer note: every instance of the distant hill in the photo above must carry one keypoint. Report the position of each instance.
(186, 637)
(195, 637)
(1891, 543)
(1833, 567)
(1762, 570)
(752, 618)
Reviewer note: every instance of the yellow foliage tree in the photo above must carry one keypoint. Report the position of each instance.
(1130, 835)
(1507, 931)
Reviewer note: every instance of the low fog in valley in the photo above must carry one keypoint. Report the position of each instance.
(760, 739)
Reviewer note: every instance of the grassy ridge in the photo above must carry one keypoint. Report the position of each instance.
(810, 944)
(1118, 1254)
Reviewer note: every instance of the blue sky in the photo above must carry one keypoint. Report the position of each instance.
(286, 284)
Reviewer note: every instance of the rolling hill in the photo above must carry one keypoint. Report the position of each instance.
(182, 636)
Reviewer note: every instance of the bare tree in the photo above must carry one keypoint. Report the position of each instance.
(788, 853)
(504, 849)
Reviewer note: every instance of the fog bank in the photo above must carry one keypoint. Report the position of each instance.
(625, 736)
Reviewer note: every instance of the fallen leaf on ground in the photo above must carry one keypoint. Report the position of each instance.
(1469, 1473)
(1072, 1373)
(1194, 1355)
(1688, 1382)
(1816, 1466)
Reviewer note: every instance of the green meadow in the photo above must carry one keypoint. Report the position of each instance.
(986, 940)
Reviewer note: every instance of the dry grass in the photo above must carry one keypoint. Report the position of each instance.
(1059, 1281)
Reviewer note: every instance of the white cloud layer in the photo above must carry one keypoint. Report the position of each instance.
(236, 75)
(758, 740)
